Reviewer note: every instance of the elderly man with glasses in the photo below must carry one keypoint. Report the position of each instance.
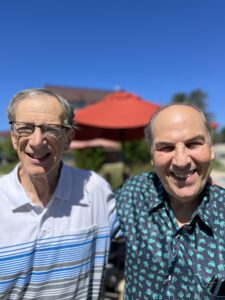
(55, 221)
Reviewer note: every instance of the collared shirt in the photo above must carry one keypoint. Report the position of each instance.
(58, 251)
(164, 261)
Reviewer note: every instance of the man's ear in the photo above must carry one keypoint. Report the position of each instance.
(14, 140)
(212, 153)
(151, 156)
(70, 137)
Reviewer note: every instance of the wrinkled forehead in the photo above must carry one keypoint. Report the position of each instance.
(39, 106)
(42, 99)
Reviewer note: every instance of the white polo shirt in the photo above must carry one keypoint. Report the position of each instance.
(59, 251)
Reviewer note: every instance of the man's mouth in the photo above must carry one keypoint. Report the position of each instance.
(38, 156)
(182, 175)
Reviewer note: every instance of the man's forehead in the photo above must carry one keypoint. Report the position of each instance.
(41, 101)
(38, 97)
(178, 109)
(176, 121)
(178, 113)
(39, 106)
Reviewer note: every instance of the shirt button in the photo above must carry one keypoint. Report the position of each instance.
(44, 233)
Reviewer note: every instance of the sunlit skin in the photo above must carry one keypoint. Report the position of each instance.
(181, 155)
(40, 157)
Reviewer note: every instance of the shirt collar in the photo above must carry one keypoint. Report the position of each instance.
(73, 183)
(204, 210)
(64, 186)
(14, 190)
(18, 196)
(154, 193)
(155, 197)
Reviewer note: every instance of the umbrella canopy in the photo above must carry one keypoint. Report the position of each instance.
(119, 116)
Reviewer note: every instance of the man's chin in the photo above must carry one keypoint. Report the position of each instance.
(185, 194)
(37, 171)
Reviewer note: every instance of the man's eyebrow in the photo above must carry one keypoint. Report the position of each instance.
(200, 138)
(196, 138)
(162, 144)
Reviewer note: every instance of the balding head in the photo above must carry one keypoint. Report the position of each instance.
(165, 111)
(182, 152)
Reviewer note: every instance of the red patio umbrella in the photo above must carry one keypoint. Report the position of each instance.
(120, 116)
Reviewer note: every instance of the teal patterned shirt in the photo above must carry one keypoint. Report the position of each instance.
(164, 261)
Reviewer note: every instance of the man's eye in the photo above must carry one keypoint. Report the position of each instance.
(51, 130)
(22, 129)
(165, 149)
(194, 145)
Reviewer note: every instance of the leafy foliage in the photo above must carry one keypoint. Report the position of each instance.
(8, 151)
(89, 158)
(219, 136)
(135, 152)
(196, 97)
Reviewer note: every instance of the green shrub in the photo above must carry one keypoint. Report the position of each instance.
(135, 152)
(89, 158)
(8, 151)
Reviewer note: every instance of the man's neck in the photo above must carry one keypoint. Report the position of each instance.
(184, 211)
(38, 188)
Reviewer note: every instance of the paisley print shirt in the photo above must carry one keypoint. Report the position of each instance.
(164, 261)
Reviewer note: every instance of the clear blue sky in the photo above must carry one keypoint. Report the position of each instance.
(153, 48)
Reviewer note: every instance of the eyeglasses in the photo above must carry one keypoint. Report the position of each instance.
(23, 129)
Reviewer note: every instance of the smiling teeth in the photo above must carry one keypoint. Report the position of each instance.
(35, 156)
(183, 175)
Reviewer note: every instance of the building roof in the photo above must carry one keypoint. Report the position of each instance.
(79, 94)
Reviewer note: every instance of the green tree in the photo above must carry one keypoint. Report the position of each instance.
(89, 158)
(222, 135)
(179, 98)
(8, 151)
(219, 136)
(196, 97)
(135, 152)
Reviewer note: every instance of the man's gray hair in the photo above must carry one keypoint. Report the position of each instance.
(148, 128)
(68, 117)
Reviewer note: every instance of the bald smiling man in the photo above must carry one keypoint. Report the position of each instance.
(173, 219)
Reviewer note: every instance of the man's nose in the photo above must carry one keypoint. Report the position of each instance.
(181, 156)
(37, 137)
